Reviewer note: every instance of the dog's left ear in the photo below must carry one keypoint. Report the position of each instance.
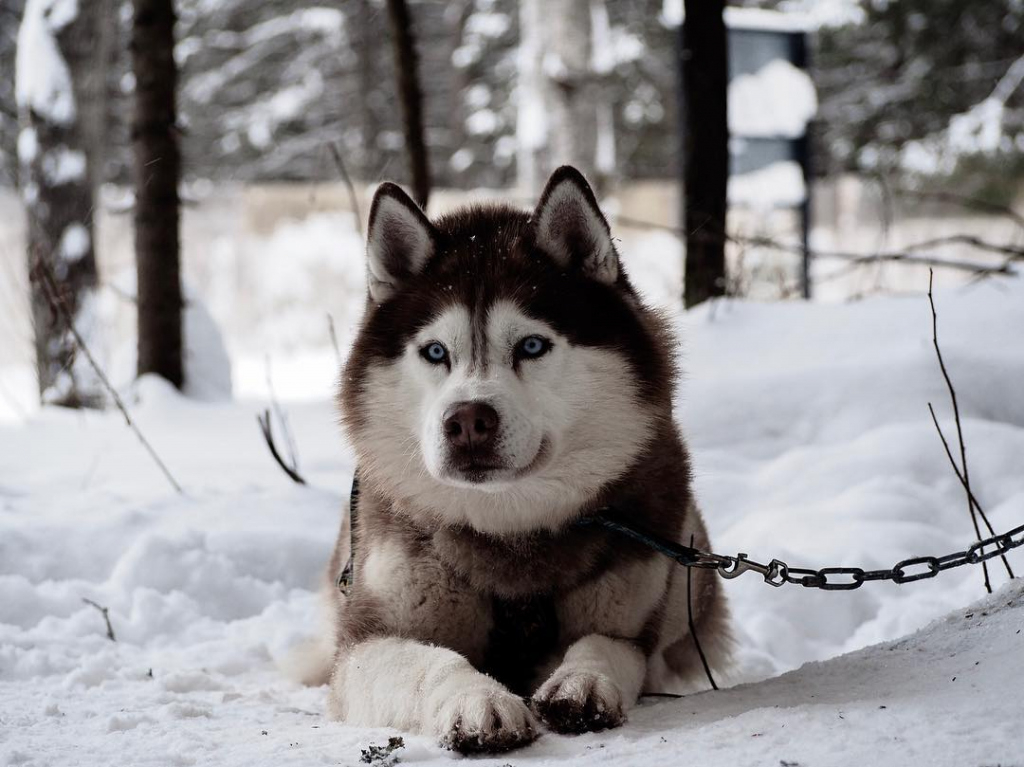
(569, 226)
(399, 241)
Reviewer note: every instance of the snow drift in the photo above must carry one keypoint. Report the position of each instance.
(812, 441)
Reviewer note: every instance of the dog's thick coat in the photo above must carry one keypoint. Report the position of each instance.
(507, 380)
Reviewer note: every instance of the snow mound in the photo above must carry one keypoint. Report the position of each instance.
(811, 441)
(206, 360)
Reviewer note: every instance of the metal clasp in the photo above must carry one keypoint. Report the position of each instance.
(735, 566)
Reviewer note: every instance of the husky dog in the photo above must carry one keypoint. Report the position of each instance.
(506, 381)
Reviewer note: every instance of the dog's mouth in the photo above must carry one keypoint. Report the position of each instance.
(481, 470)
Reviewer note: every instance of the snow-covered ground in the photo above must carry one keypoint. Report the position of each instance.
(812, 442)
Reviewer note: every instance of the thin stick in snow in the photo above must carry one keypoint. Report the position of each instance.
(959, 430)
(693, 630)
(282, 418)
(105, 612)
(334, 340)
(966, 486)
(353, 198)
(268, 435)
(41, 272)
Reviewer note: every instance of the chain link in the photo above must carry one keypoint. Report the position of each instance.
(777, 573)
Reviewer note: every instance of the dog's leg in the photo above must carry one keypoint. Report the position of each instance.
(409, 685)
(598, 680)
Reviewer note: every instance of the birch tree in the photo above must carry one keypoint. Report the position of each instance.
(55, 76)
(564, 113)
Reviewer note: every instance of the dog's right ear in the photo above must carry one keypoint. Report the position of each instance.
(399, 241)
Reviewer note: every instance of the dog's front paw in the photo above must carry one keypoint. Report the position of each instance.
(485, 720)
(575, 701)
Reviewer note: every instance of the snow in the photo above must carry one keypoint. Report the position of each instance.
(42, 78)
(765, 20)
(826, 13)
(794, 15)
(262, 118)
(28, 145)
(811, 441)
(482, 122)
(208, 373)
(63, 165)
(776, 101)
(329, 23)
(531, 116)
(74, 243)
(979, 130)
(780, 184)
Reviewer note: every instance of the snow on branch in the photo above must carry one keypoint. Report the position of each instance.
(42, 77)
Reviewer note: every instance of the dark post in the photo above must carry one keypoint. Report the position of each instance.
(157, 169)
(410, 97)
(705, 148)
(804, 147)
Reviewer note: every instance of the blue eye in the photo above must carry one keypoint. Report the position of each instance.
(434, 353)
(532, 347)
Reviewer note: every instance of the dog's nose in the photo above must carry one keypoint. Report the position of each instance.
(471, 425)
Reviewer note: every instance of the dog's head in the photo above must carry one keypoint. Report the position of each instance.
(505, 371)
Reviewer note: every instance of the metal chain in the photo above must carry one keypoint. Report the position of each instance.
(778, 573)
(775, 573)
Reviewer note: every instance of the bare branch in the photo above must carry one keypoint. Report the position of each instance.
(972, 241)
(967, 487)
(264, 421)
(334, 341)
(105, 612)
(42, 273)
(693, 629)
(956, 417)
(282, 418)
(908, 255)
(965, 201)
(353, 198)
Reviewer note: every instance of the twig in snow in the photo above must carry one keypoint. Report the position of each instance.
(966, 486)
(353, 198)
(693, 630)
(41, 272)
(105, 612)
(268, 435)
(334, 340)
(282, 418)
(965, 477)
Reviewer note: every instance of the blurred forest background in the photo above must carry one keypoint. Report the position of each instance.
(266, 86)
(907, 117)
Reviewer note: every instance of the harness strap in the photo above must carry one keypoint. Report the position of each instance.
(348, 574)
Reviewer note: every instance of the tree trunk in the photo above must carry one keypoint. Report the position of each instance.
(565, 116)
(359, 15)
(705, 148)
(156, 171)
(94, 112)
(54, 54)
(410, 98)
